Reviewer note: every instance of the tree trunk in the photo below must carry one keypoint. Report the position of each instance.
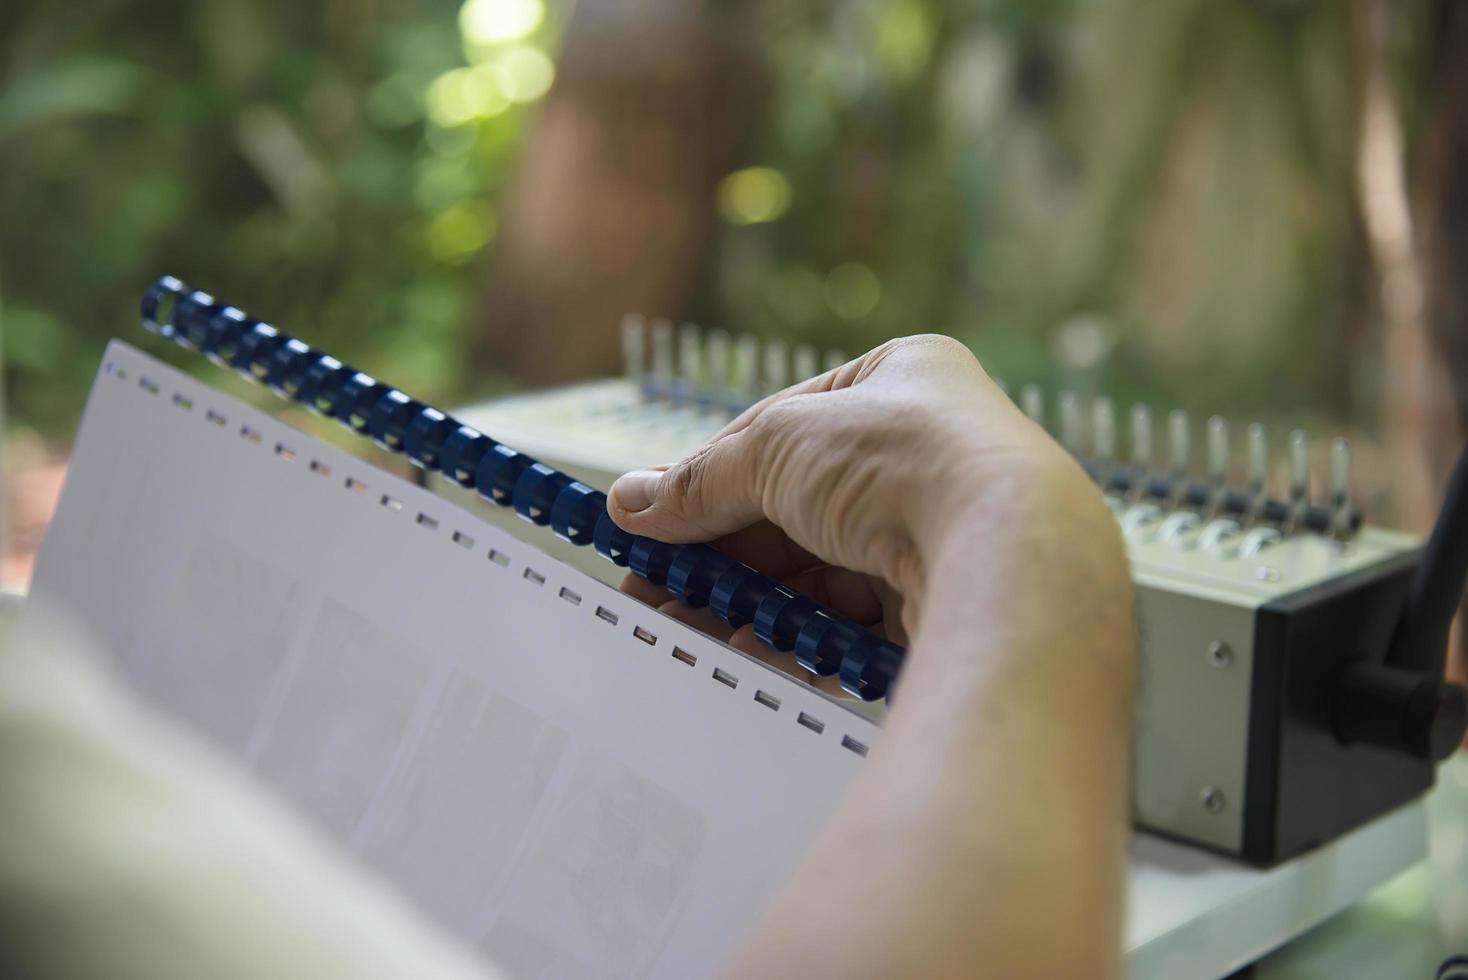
(611, 209)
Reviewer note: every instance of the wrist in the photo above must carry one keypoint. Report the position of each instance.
(1004, 495)
(1029, 525)
(1035, 525)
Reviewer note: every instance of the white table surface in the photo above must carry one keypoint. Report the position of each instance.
(1388, 900)
(1407, 927)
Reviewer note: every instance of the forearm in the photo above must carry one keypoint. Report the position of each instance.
(986, 833)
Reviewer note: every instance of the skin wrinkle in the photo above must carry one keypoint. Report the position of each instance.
(846, 489)
(689, 480)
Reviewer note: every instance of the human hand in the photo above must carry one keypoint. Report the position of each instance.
(905, 491)
(848, 486)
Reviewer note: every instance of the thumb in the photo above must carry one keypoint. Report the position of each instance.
(709, 494)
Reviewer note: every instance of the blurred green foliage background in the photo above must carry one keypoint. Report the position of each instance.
(1155, 199)
(274, 152)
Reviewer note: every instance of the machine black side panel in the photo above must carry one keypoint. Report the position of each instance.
(1304, 786)
(1266, 706)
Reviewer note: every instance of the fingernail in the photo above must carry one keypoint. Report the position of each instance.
(634, 491)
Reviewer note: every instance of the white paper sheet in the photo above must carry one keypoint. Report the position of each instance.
(494, 737)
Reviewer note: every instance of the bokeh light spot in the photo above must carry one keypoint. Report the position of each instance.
(459, 231)
(1082, 342)
(523, 73)
(754, 195)
(852, 290)
(905, 38)
(495, 21)
(463, 95)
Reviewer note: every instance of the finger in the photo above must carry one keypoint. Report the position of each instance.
(847, 593)
(827, 381)
(765, 547)
(712, 493)
(893, 608)
(745, 641)
(642, 590)
(894, 625)
(700, 619)
(653, 500)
